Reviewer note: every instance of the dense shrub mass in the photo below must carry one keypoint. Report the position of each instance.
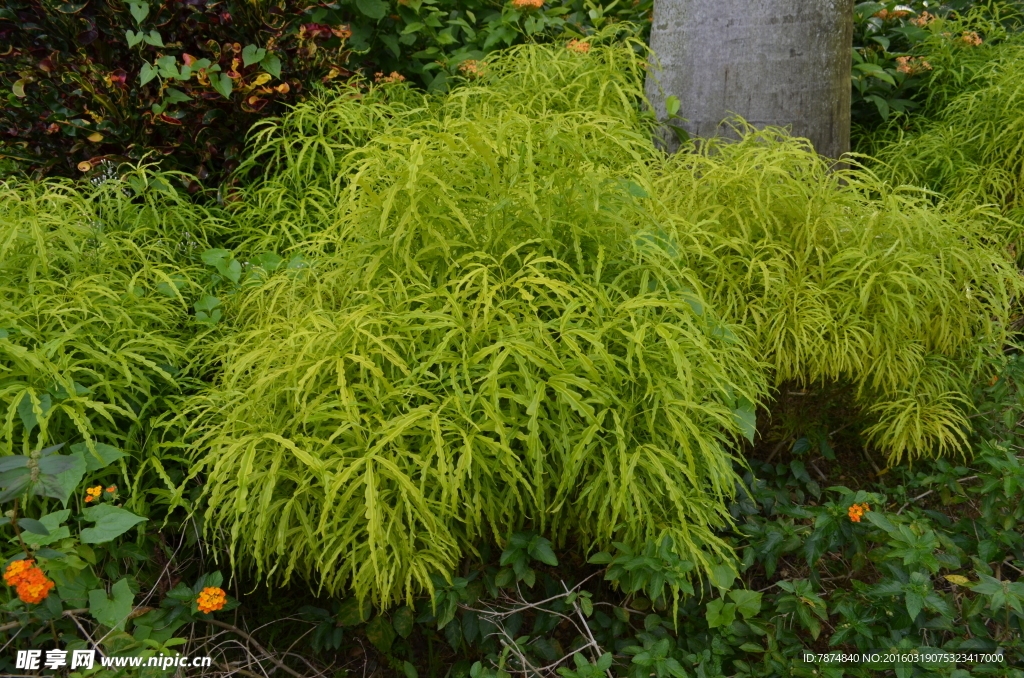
(842, 278)
(91, 319)
(430, 323)
(968, 148)
(481, 343)
(438, 319)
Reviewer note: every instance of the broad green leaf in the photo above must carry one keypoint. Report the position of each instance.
(748, 603)
(61, 485)
(139, 10)
(52, 523)
(33, 526)
(104, 456)
(112, 610)
(12, 462)
(271, 63)
(30, 411)
(252, 54)
(380, 633)
(147, 73)
(746, 418)
(720, 613)
(111, 522)
(375, 9)
(722, 576)
(351, 613)
(672, 105)
(541, 550)
(402, 620)
(16, 486)
(222, 83)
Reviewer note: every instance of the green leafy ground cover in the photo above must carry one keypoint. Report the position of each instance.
(480, 383)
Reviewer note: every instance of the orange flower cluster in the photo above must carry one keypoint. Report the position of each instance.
(527, 4)
(93, 493)
(394, 77)
(856, 511)
(923, 20)
(970, 38)
(894, 14)
(912, 65)
(578, 46)
(32, 584)
(212, 599)
(471, 68)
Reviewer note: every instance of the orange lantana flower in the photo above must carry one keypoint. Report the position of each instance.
(32, 583)
(212, 599)
(856, 511)
(578, 46)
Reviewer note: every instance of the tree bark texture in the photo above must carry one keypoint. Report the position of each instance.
(773, 62)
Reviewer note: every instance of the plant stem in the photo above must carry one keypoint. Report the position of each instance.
(17, 532)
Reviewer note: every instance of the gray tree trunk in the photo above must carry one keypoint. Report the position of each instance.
(773, 62)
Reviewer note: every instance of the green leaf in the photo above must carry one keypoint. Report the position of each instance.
(351, 613)
(146, 74)
(722, 576)
(878, 519)
(153, 38)
(915, 603)
(409, 670)
(15, 487)
(33, 526)
(748, 603)
(52, 523)
(133, 37)
(62, 484)
(540, 549)
(57, 463)
(222, 83)
(182, 592)
(252, 54)
(746, 419)
(799, 471)
(211, 579)
(176, 96)
(139, 10)
(402, 620)
(720, 613)
(375, 9)
(672, 105)
(207, 305)
(272, 64)
(380, 633)
(111, 522)
(27, 410)
(13, 462)
(104, 456)
(881, 104)
(113, 611)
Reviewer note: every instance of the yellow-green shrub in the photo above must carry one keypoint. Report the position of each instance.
(481, 342)
(843, 278)
(92, 325)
